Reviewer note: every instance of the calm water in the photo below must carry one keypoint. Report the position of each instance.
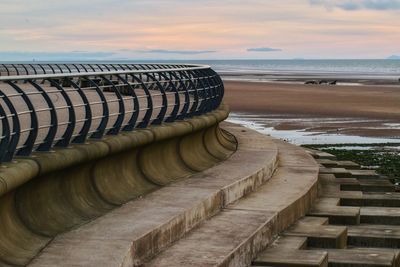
(347, 67)
(265, 124)
(370, 67)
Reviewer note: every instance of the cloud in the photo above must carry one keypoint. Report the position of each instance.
(228, 27)
(180, 52)
(263, 49)
(382, 4)
(352, 5)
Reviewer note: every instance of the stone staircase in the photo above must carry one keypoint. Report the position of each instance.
(269, 204)
(355, 222)
(224, 216)
(244, 228)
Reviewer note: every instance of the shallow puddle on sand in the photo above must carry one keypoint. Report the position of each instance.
(305, 135)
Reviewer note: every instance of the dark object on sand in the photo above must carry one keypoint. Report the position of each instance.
(311, 82)
(322, 82)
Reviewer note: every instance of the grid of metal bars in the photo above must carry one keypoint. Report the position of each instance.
(44, 106)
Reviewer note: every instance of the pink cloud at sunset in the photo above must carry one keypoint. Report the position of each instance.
(203, 29)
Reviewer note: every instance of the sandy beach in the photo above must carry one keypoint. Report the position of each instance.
(376, 108)
(381, 102)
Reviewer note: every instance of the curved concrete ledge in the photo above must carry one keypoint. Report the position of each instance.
(235, 236)
(140, 229)
(50, 193)
(22, 170)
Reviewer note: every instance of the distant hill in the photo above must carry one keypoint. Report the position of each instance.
(394, 57)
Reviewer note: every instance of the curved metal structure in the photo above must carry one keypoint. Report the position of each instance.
(44, 106)
(57, 68)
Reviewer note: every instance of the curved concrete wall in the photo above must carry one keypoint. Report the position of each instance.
(50, 193)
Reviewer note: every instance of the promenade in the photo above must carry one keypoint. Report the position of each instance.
(138, 168)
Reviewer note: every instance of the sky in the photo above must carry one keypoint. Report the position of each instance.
(201, 29)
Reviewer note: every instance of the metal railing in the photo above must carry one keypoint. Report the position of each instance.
(57, 68)
(41, 110)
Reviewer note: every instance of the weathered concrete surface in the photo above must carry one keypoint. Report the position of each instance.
(338, 172)
(136, 230)
(293, 251)
(380, 215)
(366, 235)
(374, 242)
(317, 154)
(366, 174)
(364, 192)
(368, 258)
(56, 191)
(260, 157)
(320, 236)
(387, 199)
(16, 173)
(292, 258)
(227, 240)
(336, 214)
(231, 238)
(142, 228)
(22, 170)
(329, 163)
(290, 242)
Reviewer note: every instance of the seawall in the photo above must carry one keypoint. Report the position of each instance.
(52, 192)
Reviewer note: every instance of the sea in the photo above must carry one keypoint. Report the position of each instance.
(378, 68)
(383, 69)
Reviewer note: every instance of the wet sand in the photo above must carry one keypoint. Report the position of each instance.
(284, 105)
(379, 102)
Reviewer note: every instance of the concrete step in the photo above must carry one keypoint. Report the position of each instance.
(348, 173)
(289, 242)
(387, 199)
(317, 154)
(395, 252)
(365, 244)
(329, 186)
(361, 258)
(364, 174)
(236, 236)
(349, 165)
(142, 228)
(365, 235)
(336, 214)
(292, 258)
(295, 183)
(367, 185)
(308, 220)
(328, 163)
(380, 215)
(230, 237)
(320, 236)
(337, 172)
